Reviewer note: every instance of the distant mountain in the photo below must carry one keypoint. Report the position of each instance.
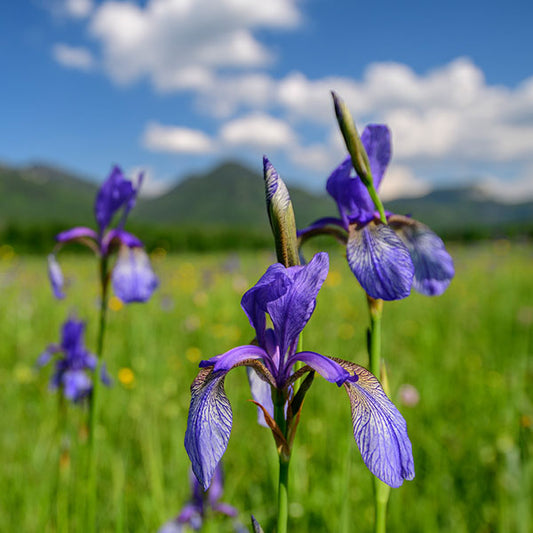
(40, 193)
(231, 195)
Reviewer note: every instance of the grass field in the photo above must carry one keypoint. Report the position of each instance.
(469, 353)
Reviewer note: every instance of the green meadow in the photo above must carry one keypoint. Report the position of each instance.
(468, 354)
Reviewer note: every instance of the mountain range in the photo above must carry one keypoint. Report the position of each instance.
(231, 195)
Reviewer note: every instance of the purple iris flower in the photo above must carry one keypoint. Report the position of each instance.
(194, 512)
(133, 278)
(73, 362)
(288, 297)
(387, 260)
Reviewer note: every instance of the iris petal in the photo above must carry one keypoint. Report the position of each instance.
(234, 357)
(376, 139)
(262, 394)
(55, 275)
(325, 366)
(291, 312)
(115, 192)
(379, 429)
(380, 261)
(433, 264)
(133, 277)
(208, 424)
(272, 284)
(351, 196)
(76, 233)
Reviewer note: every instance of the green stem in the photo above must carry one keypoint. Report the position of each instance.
(381, 490)
(63, 468)
(283, 495)
(93, 399)
(283, 484)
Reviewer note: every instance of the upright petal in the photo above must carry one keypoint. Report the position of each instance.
(379, 429)
(55, 275)
(380, 261)
(116, 192)
(291, 311)
(376, 139)
(133, 278)
(433, 264)
(350, 194)
(208, 424)
(270, 286)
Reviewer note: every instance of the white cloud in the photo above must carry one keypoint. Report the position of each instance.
(160, 138)
(73, 57)
(180, 44)
(510, 191)
(151, 186)
(79, 8)
(258, 130)
(400, 182)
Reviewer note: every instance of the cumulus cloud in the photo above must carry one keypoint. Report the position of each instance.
(74, 9)
(258, 130)
(174, 139)
(400, 181)
(73, 57)
(181, 44)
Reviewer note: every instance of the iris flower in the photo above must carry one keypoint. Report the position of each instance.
(387, 259)
(194, 512)
(73, 363)
(133, 278)
(288, 297)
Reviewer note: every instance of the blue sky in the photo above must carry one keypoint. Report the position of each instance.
(175, 86)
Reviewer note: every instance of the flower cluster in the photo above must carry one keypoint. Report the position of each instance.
(73, 362)
(287, 295)
(387, 259)
(194, 512)
(133, 278)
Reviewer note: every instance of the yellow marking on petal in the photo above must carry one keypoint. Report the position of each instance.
(115, 303)
(126, 377)
(193, 354)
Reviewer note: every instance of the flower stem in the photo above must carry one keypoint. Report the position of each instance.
(93, 399)
(283, 495)
(381, 490)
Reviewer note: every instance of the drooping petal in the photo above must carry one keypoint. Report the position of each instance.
(326, 367)
(55, 275)
(133, 278)
(380, 261)
(376, 139)
(47, 355)
(262, 394)
(291, 311)
(208, 424)
(76, 384)
(78, 232)
(272, 284)
(380, 430)
(433, 264)
(115, 192)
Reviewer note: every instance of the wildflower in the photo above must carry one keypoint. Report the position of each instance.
(288, 297)
(133, 278)
(194, 512)
(73, 363)
(386, 259)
